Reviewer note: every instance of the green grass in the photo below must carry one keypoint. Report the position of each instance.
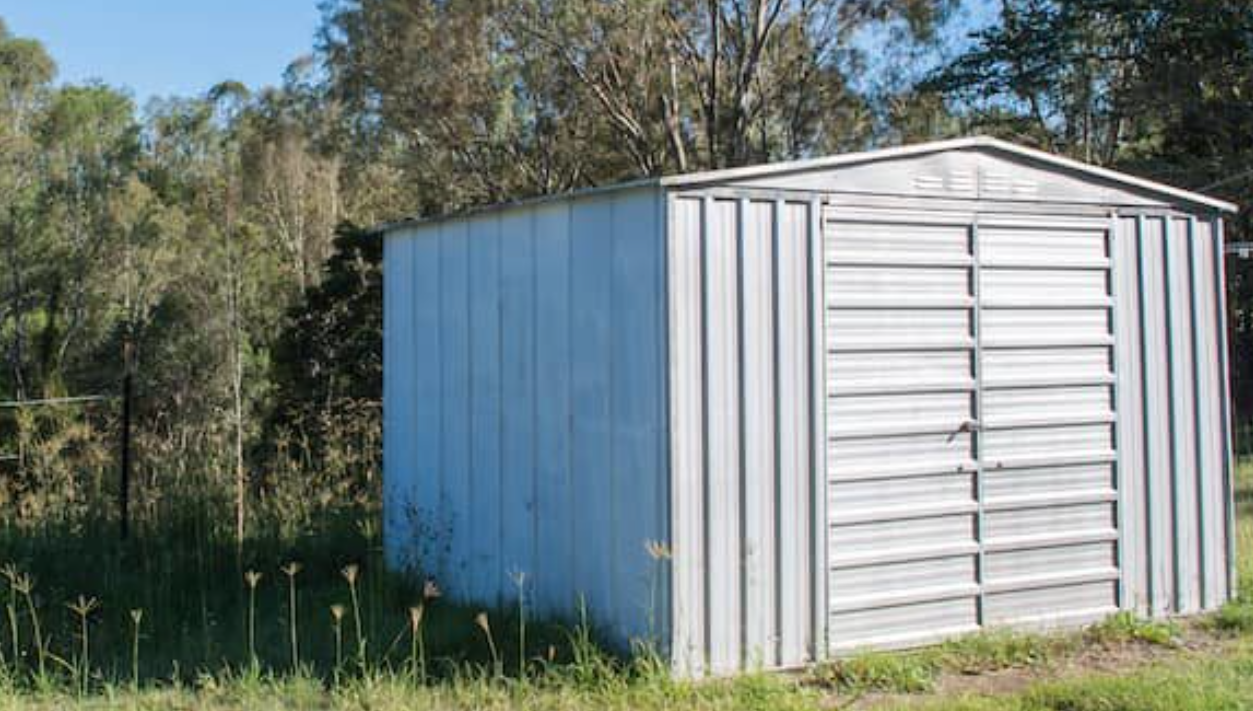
(193, 649)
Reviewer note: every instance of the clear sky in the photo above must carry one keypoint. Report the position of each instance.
(167, 47)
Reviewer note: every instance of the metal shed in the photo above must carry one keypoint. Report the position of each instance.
(870, 400)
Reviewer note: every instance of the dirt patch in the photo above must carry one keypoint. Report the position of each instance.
(1085, 660)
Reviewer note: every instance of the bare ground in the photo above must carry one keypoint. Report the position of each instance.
(1088, 659)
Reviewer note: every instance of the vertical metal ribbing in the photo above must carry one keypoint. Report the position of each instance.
(818, 430)
(665, 492)
(706, 210)
(1147, 407)
(976, 433)
(1112, 248)
(1224, 373)
(776, 235)
(1168, 281)
(741, 214)
(1197, 408)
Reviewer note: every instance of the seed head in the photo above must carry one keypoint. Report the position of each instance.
(19, 581)
(518, 577)
(657, 550)
(337, 612)
(137, 616)
(291, 569)
(350, 573)
(415, 617)
(83, 606)
(253, 578)
(431, 591)
(481, 620)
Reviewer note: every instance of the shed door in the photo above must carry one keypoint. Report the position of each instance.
(971, 466)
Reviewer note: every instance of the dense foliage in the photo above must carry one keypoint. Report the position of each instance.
(207, 244)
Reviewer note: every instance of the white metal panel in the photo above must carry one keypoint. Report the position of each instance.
(637, 493)
(1020, 472)
(885, 328)
(856, 495)
(722, 412)
(886, 580)
(1047, 606)
(1184, 500)
(1034, 562)
(796, 531)
(1011, 484)
(687, 439)
(1212, 436)
(877, 371)
(530, 397)
(1045, 287)
(760, 479)
(591, 270)
(857, 415)
(1037, 443)
(426, 514)
(904, 624)
(1132, 430)
(1177, 535)
(1055, 404)
(746, 452)
(1158, 440)
(885, 570)
(486, 566)
(1046, 365)
(1075, 246)
(1015, 523)
(852, 285)
(871, 242)
(399, 410)
(456, 505)
(863, 458)
(553, 568)
(518, 401)
(1048, 327)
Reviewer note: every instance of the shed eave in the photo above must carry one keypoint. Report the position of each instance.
(691, 180)
(420, 220)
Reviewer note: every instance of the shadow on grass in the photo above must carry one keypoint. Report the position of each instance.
(189, 583)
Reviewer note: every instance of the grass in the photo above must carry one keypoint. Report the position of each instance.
(170, 620)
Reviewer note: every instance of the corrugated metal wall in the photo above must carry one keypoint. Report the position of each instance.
(742, 422)
(971, 457)
(1175, 433)
(976, 382)
(856, 419)
(524, 406)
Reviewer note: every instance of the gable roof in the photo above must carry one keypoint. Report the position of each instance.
(843, 160)
(919, 149)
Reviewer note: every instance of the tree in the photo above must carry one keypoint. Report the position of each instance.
(1162, 88)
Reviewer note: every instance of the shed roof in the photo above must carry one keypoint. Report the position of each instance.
(710, 177)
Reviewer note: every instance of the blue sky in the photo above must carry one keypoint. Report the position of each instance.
(167, 47)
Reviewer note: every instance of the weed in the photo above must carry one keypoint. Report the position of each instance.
(349, 573)
(291, 570)
(82, 609)
(519, 582)
(252, 578)
(137, 618)
(1000, 649)
(484, 625)
(1125, 627)
(879, 671)
(337, 628)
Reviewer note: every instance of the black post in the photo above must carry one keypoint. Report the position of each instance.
(124, 490)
